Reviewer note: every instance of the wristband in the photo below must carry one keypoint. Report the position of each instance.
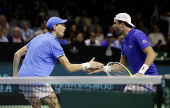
(86, 65)
(107, 69)
(143, 69)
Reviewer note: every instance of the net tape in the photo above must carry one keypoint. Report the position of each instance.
(82, 80)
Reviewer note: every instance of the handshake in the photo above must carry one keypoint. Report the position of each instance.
(94, 67)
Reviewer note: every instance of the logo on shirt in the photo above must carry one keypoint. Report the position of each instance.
(85, 67)
(130, 46)
(144, 41)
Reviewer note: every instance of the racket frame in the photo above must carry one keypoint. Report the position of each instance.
(149, 88)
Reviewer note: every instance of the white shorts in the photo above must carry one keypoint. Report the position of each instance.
(135, 88)
(39, 90)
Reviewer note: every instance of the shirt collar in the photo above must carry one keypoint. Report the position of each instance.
(50, 34)
(130, 33)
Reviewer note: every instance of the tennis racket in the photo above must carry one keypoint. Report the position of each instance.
(123, 71)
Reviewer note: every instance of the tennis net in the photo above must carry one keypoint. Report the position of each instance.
(77, 91)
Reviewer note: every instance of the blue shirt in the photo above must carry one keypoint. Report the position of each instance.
(105, 43)
(132, 47)
(41, 56)
(28, 34)
(62, 42)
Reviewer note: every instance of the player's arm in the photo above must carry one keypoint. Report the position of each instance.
(150, 55)
(17, 57)
(149, 60)
(77, 67)
(123, 60)
(116, 67)
(113, 68)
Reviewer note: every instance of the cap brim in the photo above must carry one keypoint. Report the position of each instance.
(63, 21)
(131, 24)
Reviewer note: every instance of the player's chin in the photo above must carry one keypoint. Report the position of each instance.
(118, 34)
(62, 34)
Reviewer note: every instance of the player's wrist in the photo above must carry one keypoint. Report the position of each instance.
(143, 69)
(107, 69)
(86, 65)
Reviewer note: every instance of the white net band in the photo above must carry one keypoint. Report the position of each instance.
(82, 80)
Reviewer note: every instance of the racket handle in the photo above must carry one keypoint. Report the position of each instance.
(151, 89)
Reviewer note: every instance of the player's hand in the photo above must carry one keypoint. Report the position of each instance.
(91, 71)
(138, 75)
(95, 65)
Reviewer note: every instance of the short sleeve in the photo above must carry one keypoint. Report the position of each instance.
(142, 41)
(56, 49)
(28, 44)
(122, 53)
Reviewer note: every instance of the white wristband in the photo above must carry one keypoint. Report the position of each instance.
(143, 69)
(86, 65)
(107, 69)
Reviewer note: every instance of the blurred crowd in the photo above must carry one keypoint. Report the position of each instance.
(89, 23)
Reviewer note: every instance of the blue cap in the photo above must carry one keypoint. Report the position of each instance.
(54, 21)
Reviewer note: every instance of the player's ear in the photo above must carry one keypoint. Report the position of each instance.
(122, 24)
(54, 27)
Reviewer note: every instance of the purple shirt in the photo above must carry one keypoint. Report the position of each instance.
(105, 43)
(132, 47)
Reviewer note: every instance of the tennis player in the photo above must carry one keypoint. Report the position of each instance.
(42, 53)
(136, 51)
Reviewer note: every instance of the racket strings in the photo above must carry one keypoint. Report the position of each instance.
(120, 73)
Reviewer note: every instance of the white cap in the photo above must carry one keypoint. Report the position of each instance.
(109, 34)
(124, 17)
